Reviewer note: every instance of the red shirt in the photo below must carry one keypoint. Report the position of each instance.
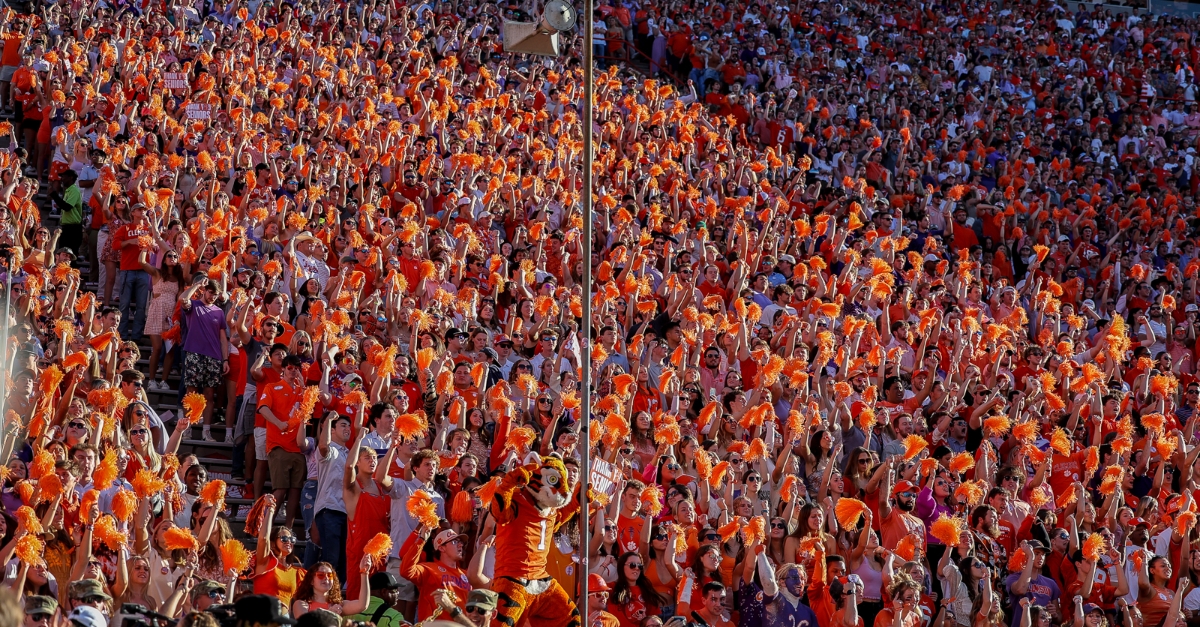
(130, 255)
(283, 400)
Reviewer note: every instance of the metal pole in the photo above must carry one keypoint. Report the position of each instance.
(585, 379)
(4, 449)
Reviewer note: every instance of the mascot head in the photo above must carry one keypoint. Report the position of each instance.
(548, 484)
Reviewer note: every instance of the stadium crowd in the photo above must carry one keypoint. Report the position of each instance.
(895, 312)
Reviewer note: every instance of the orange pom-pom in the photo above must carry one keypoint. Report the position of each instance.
(49, 487)
(971, 492)
(652, 500)
(906, 548)
(234, 555)
(1185, 522)
(962, 462)
(101, 342)
(462, 509)
(520, 439)
(1093, 546)
(378, 547)
(180, 538)
(848, 512)
(106, 472)
(422, 508)
(410, 425)
(29, 519)
(730, 529)
(29, 550)
(75, 360)
(213, 493)
(193, 404)
(913, 445)
(717, 476)
(105, 531)
(42, 464)
(1154, 423)
(947, 529)
(1017, 561)
(124, 503)
(756, 529)
(147, 484)
(1026, 432)
(1061, 442)
(1113, 475)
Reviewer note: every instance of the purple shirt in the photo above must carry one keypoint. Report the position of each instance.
(204, 326)
(929, 510)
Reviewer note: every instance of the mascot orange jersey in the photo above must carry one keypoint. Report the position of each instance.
(530, 504)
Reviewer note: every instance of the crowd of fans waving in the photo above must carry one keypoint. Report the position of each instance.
(895, 309)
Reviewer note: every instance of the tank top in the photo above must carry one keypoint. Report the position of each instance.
(872, 581)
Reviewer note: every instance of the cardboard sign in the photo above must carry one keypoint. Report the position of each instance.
(604, 476)
(175, 80)
(198, 111)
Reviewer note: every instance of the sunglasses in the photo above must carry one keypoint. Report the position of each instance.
(712, 536)
(137, 432)
(216, 594)
(660, 536)
(76, 425)
(778, 525)
(475, 609)
(287, 539)
(635, 566)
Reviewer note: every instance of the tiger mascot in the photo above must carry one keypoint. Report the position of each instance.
(530, 504)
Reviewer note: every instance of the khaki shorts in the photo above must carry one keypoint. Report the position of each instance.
(288, 470)
(260, 443)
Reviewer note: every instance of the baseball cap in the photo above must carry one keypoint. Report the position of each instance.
(482, 599)
(931, 257)
(1140, 522)
(596, 583)
(1088, 608)
(902, 487)
(1063, 238)
(1037, 545)
(87, 616)
(85, 588)
(502, 338)
(443, 538)
(383, 581)
(40, 605)
(208, 586)
(1191, 307)
(66, 251)
(258, 608)
(788, 258)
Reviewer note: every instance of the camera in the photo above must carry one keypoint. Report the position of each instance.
(141, 616)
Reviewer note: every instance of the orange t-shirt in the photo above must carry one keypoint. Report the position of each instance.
(11, 56)
(283, 400)
(899, 524)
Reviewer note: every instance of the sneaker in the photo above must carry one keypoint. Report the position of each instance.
(207, 435)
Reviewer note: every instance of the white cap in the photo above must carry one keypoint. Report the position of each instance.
(87, 616)
(443, 538)
(1191, 307)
